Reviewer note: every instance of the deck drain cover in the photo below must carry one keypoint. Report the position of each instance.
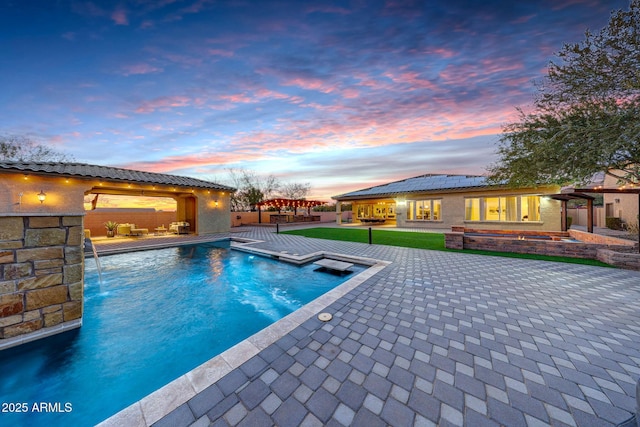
(325, 317)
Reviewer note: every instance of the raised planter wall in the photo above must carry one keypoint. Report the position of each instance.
(611, 250)
(41, 276)
(628, 260)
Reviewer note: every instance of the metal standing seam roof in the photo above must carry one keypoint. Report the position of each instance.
(106, 172)
(418, 184)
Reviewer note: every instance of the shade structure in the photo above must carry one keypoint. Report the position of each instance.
(293, 203)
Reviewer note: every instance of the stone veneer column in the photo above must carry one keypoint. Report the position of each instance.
(41, 275)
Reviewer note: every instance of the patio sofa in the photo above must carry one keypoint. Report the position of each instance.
(180, 227)
(131, 230)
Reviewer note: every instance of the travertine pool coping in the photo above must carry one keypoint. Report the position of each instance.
(161, 402)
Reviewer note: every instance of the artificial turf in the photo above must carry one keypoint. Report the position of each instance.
(407, 239)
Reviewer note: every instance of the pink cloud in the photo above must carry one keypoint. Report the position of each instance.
(311, 84)
(350, 93)
(221, 52)
(239, 98)
(163, 103)
(119, 16)
(411, 79)
(442, 52)
(141, 68)
(173, 163)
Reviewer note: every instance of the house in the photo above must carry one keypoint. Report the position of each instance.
(440, 201)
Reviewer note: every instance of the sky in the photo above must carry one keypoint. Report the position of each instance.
(342, 95)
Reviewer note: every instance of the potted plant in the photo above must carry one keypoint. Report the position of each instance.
(111, 227)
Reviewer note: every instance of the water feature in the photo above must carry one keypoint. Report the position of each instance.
(88, 242)
(156, 315)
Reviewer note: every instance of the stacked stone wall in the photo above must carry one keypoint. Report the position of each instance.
(41, 273)
(454, 240)
(628, 260)
(539, 247)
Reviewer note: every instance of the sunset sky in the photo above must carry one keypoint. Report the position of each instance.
(341, 94)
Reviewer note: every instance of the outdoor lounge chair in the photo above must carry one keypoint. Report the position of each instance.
(131, 230)
(138, 231)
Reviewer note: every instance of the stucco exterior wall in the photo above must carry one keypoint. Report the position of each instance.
(624, 206)
(453, 211)
(19, 194)
(213, 212)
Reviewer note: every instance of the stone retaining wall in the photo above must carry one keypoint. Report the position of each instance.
(41, 273)
(628, 260)
(611, 250)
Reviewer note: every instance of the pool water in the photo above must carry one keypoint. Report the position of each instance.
(155, 316)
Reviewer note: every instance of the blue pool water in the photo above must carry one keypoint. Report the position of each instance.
(155, 316)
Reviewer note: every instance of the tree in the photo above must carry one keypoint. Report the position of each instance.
(22, 149)
(295, 190)
(251, 188)
(586, 115)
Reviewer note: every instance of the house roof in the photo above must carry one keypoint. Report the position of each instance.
(109, 173)
(418, 184)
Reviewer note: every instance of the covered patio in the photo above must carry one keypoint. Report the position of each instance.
(571, 193)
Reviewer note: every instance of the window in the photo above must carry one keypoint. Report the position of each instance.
(492, 211)
(472, 209)
(530, 208)
(509, 208)
(424, 210)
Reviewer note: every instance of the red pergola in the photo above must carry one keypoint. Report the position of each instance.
(280, 203)
(292, 203)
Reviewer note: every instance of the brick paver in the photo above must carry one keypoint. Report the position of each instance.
(441, 338)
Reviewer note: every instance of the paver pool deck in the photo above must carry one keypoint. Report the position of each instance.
(437, 339)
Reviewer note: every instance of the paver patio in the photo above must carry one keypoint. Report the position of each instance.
(441, 338)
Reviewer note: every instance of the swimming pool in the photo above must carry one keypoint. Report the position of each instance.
(155, 316)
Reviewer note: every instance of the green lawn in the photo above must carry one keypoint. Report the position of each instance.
(405, 239)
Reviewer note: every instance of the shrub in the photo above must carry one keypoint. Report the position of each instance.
(613, 223)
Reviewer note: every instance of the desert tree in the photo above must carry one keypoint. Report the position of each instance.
(251, 188)
(295, 190)
(19, 148)
(585, 117)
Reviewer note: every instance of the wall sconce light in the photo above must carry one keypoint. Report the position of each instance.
(617, 200)
(216, 203)
(42, 196)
